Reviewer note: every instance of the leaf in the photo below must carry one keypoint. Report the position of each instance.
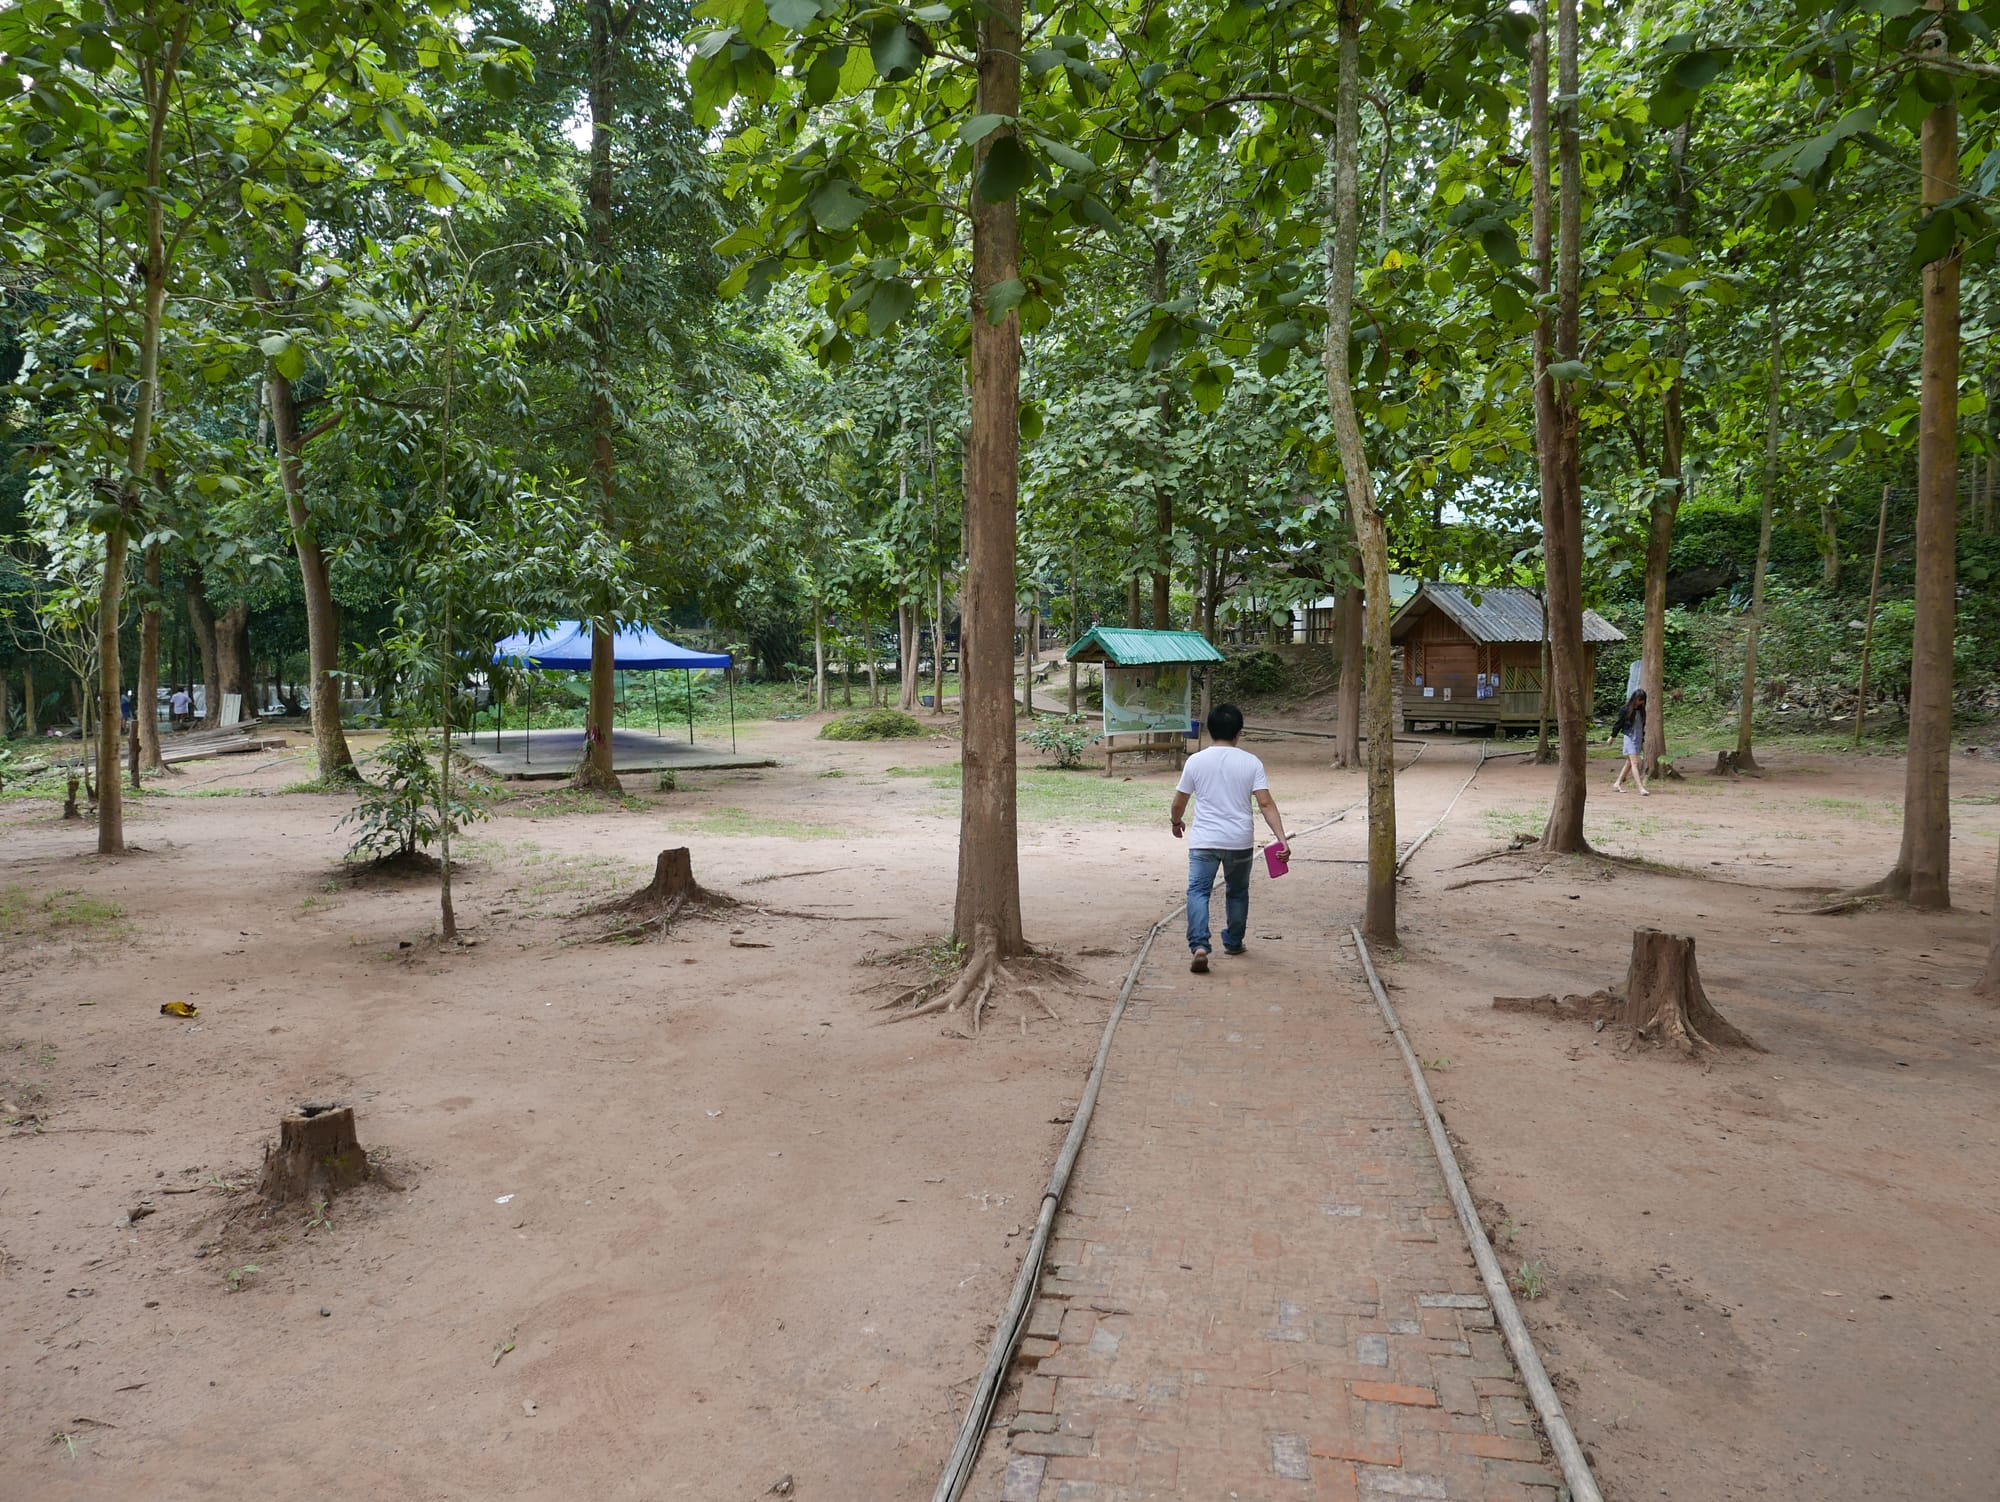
(1395, 416)
(837, 205)
(1031, 421)
(1210, 386)
(1697, 70)
(793, 15)
(1501, 248)
(1065, 154)
(96, 51)
(1005, 171)
(1569, 370)
(1935, 237)
(894, 49)
(890, 301)
(823, 77)
(979, 127)
(1003, 297)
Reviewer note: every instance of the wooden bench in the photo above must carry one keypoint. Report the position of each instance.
(1147, 743)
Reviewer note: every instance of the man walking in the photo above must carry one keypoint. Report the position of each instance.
(1222, 780)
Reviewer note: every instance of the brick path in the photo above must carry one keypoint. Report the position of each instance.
(1257, 1287)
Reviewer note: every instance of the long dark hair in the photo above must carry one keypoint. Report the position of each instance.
(1634, 707)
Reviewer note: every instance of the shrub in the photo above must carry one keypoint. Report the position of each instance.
(872, 725)
(1249, 672)
(400, 815)
(1064, 738)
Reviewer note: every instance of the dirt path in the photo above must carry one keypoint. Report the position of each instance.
(1257, 1286)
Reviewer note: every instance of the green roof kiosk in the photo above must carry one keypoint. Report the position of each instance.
(1148, 688)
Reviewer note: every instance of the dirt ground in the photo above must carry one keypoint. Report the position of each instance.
(678, 1219)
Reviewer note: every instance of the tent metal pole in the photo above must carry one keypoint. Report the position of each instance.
(687, 677)
(732, 710)
(656, 709)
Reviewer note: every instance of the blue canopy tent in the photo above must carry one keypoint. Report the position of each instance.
(565, 647)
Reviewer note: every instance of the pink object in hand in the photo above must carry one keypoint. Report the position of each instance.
(1274, 858)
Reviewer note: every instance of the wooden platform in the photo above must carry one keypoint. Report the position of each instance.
(545, 755)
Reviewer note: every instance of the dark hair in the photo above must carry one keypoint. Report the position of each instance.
(1634, 706)
(1225, 722)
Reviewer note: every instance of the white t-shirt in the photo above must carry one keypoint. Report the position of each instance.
(1222, 780)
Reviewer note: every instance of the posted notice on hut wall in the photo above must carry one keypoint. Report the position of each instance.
(1147, 699)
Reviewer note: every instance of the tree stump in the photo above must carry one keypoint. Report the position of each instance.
(672, 891)
(1664, 1000)
(317, 1156)
(673, 877)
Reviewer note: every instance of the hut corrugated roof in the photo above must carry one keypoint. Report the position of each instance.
(1499, 613)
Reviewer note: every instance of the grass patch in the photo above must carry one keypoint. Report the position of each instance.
(545, 880)
(57, 912)
(1508, 822)
(873, 725)
(572, 801)
(743, 823)
(1052, 796)
(344, 785)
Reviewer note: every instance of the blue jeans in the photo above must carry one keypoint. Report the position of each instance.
(1235, 865)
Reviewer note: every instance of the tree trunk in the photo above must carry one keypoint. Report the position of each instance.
(1133, 615)
(868, 660)
(819, 654)
(1868, 621)
(1163, 496)
(1829, 537)
(232, 660)
(1556, 420)
(1075, 614)
(317, 1156)
(201, 620)
(1379, 920)
(937, 652)
(1922, 873)
(146, 703)
(987, 914)
(906, 657)
(1746, 759)
(6, 709)
(597, 771)
(1664, 1000)
(1989, 510)
(1030, 644)
(335, 762)
(29, 727)
(1349, 637)
(1667, 495)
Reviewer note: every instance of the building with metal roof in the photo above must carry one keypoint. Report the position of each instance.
(1133, 647)
(1472, 655)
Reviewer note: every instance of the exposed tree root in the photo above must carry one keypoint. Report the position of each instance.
(657, 905)
(979, 984)
(1663, 1003)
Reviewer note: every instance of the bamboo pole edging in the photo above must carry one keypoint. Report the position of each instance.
(1562, 1439)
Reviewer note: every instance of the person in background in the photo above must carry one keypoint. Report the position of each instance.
(125, 710)
(1632, 727)
(1223, 780)
(177, 708)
